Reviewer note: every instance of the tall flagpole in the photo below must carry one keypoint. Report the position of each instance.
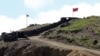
(72, 14)
(27, 19)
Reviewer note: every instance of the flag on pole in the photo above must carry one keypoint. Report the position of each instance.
(75, 9)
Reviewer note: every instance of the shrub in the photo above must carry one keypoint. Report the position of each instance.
(70, 40)
(97, 32)
(84, 38)
(95, 42)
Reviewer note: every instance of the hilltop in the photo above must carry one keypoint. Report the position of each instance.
(71, 36)
(70, 30)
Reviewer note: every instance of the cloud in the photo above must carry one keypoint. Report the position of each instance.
(37, 3)
(7, 24)
(66, 11)
(12, 24)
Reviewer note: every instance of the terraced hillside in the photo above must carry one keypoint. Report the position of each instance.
(82, 32)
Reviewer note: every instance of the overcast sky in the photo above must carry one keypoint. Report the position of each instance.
(12, 12)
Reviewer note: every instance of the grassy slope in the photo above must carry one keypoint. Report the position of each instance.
(61, 33)
(79, 24)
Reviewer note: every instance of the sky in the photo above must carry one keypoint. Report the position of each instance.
(13, 12)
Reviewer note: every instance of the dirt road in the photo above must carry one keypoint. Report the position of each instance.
(62, 45)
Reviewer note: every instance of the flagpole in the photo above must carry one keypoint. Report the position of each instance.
(27, 19)
(72, 14)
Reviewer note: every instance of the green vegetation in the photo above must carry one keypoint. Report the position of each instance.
(71, 34)
(79, 24)
(76, 25)
(97, 32)
(84, 41)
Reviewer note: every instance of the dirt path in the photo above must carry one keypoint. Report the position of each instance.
(62, 45)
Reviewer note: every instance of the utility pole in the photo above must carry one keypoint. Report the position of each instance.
(27, 19)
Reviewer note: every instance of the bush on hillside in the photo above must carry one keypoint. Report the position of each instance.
(95, 42)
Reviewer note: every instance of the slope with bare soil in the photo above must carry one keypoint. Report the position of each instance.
(29, 48)
(42, 47)
(60, 45)
(80, 53)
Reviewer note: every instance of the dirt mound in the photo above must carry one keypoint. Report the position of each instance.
(81, 53)
(36, 48)
(29, 48)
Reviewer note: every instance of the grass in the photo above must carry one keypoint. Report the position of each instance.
(63, 33)
(79, 24)
(76, 25)
(97, 31)
(86, 42)
(83, 41)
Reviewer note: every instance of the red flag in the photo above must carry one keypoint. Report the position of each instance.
(75, 9)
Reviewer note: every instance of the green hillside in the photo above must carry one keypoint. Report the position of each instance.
(82, 32)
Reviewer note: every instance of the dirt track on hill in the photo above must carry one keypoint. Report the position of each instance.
(60, 45)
